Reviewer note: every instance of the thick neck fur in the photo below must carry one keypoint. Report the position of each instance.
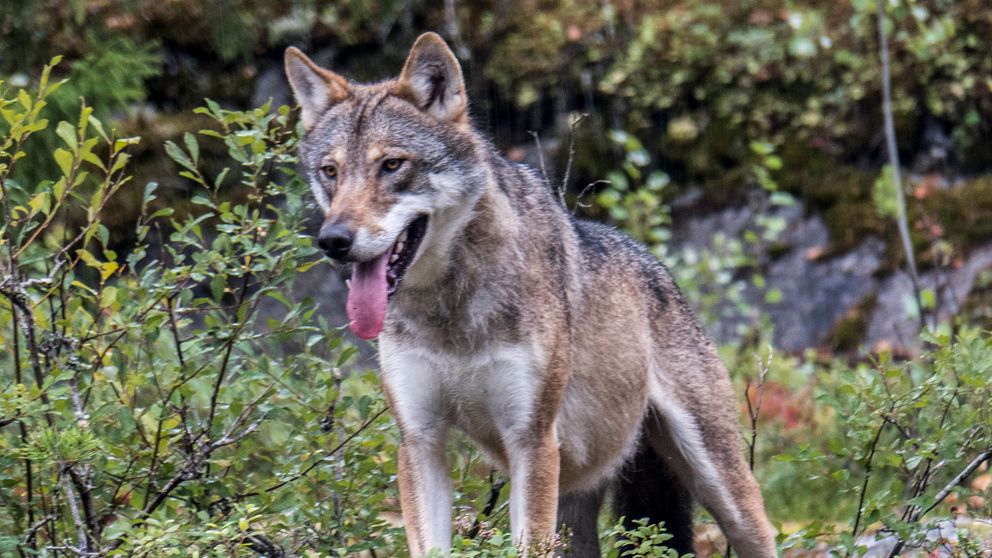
(473, 293)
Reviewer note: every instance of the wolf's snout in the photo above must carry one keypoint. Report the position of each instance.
(335, 240)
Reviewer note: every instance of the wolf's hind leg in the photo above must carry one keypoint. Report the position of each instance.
(648, 488)
(578, 514)
(711, 463)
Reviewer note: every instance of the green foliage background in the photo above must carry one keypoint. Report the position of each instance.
(149, 409)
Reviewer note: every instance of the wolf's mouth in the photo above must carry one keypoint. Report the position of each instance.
(403, 252)
(374, 281)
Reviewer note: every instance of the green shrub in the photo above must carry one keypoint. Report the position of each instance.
(148, 410)
(145, 410)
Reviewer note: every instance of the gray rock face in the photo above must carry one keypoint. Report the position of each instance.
(271, 84)
(818, 291)
(895, 320)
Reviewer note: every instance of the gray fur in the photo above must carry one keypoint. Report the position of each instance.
(537, 334)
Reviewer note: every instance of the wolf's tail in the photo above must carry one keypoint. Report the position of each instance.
(648, 488)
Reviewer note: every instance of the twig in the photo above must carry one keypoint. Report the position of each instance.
(924, 480)
(864, 486)
(28, 474)
(243, 291)
(195, 463)
(451, 22)
(958, 479)
(578, 199)
(11, 261)
(943, 494)
(264, 546)
(175, 332)
(327, 457)
(571, 157)
(540, 156)
(893, 152)
(495, 488)
(29, 535)
(81, 535)
(310, 467)
(83, 486)
(26, 321)
(754, 411)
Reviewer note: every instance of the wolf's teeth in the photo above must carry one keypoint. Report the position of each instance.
(394, 257)
(399, 247)
(402, 238)
(347, 283)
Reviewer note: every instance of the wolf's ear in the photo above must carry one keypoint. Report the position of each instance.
(432, 79)
(315, 88)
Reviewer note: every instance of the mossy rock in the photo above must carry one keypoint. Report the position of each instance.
(977, 308)
(849, 332)
(964, 212)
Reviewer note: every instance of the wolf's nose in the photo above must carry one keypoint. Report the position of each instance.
(335, 240)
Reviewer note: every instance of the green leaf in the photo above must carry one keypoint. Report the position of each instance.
(41, 201)
(92, 159)
(64, 160)
(884, 194)
(24, 99)
(68, 134)
(192, 146)
(88, 258)
(149, 195)
(98, 126)
(124, 142)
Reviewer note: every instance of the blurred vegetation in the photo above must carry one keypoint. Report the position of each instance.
(697, 82)
(149, 409)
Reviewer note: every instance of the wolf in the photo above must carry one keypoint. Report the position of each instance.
(560, 346)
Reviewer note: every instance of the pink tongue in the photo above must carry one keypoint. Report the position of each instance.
(367, 298)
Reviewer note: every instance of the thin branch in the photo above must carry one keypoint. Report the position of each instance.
(243, 291)
(540, 156)
(29, 535)
(313, 465)
(943, 494)
(454, 34)
(958, 479)
(571, 157)
(578, 199)
(864, 486)
(28, 473)
(495, 488)
(26, 321)
(264, 546)
(11, 260)
(82, 485)
(754, 410)
(175, 332)
(893, 152)
(81, 534)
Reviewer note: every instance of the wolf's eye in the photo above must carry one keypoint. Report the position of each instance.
(392, 165)
(330, 172)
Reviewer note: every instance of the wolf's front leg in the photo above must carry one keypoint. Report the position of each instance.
(534, 467)
(425, 495)
(414, 395)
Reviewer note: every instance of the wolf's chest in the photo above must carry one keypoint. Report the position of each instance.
(490, 394)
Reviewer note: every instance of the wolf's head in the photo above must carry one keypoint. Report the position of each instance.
(395, 166)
